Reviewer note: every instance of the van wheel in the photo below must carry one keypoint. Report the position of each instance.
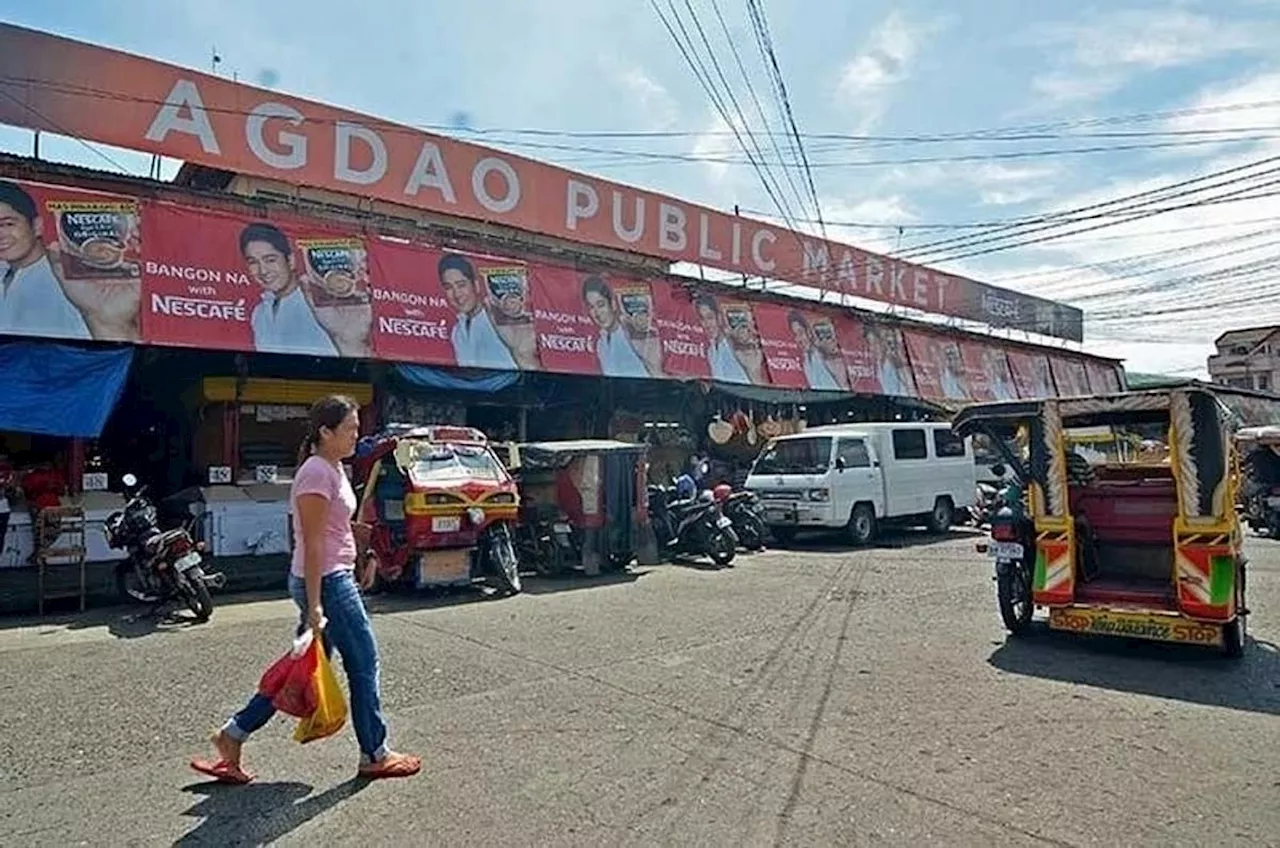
(942, 516)
(862, 525)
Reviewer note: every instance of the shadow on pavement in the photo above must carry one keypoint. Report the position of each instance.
(1181, 673)
(576, 581)
(259, 813)
(129, 621)
(890, 538)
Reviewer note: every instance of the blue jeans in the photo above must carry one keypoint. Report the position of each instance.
(347, 629)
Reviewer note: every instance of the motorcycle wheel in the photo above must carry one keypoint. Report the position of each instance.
(129, 585)
(1013, 591)
(751, 532)
(195, 591)
(723, 548)
(503, 562)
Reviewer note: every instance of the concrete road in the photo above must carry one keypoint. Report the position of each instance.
(815, 697)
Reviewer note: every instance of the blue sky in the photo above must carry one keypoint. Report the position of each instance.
(871, 69)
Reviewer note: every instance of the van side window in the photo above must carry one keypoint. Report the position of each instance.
(853, 452)
(909, 444)
(947, 443)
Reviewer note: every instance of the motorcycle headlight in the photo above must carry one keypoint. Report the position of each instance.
(476, 515)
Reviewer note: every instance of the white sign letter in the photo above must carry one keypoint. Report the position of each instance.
(672, 235)
(633, 235)
(342, 170)
(757, 247)
(705, 250)
(169, 118)
(495, 204)
(583, 202)
(294, 144)
(429, 172)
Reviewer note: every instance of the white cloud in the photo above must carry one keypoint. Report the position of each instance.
(1127, 276)
(885, 61)
(1100, 55)
(1059, 88)
(656, 105)
(1160, 39)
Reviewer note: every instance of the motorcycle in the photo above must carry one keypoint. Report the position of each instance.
(986, 500)
(746, 513)
(693, 527)
(162, 565)
(546, 540)
(1262, 511)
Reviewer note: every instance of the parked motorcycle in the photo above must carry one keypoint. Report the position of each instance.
(1262, 510)
(692, 527)
(162, 565)
(745, 511)
(546, 541)
(987, 499)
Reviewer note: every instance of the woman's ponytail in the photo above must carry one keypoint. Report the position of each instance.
(307, 447)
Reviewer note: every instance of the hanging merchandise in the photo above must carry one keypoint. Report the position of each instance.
(720, 431)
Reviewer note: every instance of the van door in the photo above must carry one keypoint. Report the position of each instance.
(907, 473)
(857, 476)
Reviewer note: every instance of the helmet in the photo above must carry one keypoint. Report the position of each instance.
(722, 492)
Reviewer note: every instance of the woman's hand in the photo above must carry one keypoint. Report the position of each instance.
(315, 618)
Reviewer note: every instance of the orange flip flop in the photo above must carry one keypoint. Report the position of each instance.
(222, 771)
(396, 765)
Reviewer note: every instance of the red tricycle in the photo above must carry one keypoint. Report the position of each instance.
(441, 507)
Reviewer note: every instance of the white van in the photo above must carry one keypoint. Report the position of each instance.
(858, 476)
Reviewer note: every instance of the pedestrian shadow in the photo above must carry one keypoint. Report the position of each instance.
(573, 581)
(1197, 675)
(259, 813)
(830, 541)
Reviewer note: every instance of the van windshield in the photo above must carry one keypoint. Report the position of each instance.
(795, 456)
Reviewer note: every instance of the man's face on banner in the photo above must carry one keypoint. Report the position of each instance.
(18, 237)
(710, 318)
(740, 329)
(801, 332)
(824, 338)
(460, 291)
(601, 310)
(268, 267)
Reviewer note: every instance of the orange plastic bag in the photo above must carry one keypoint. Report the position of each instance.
(330, 712)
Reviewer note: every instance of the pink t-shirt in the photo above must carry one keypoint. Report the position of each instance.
(318, 476)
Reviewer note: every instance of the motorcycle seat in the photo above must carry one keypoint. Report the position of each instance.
(160, 540)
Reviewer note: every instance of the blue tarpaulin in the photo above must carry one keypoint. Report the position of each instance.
(60, 390)
(477, 381)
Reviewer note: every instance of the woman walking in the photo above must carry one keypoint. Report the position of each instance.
(323, 584)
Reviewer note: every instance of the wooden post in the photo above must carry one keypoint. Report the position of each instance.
(75, 467)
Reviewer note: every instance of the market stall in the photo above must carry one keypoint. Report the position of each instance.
(57, 399)
(245, 449)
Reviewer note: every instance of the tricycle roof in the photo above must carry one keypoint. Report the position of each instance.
(1141, 407)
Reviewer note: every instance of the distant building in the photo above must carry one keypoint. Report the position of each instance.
(1248, 359)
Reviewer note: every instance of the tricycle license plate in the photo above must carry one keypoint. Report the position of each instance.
(446, 524)
(187, 562)
(1005, 550)
(562, 528)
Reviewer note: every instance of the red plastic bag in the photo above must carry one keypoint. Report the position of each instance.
(290, 680)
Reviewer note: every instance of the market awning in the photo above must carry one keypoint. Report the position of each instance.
(60, 390)
(456, 379)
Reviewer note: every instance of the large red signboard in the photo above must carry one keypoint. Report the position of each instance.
(82, 90)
